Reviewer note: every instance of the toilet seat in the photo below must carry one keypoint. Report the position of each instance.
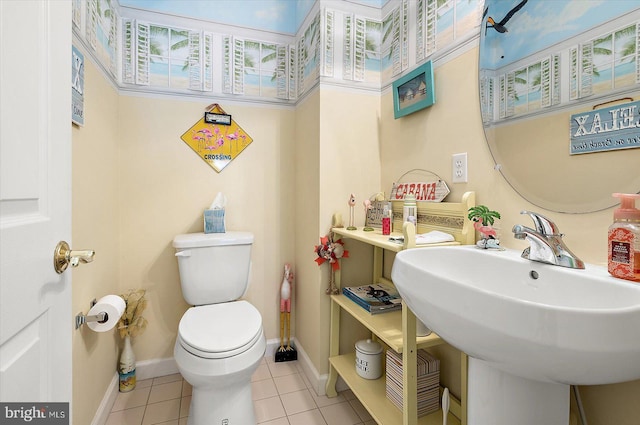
(220, 330)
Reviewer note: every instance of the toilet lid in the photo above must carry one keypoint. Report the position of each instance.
(220, 330)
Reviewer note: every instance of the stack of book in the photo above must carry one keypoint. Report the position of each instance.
(428, 373)
(375, 298)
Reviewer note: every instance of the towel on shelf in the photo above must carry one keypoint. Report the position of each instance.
(435, 236)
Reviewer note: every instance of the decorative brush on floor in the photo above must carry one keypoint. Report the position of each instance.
(286, 353)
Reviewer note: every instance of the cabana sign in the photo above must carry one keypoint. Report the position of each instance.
(434, 191)
(606, 129)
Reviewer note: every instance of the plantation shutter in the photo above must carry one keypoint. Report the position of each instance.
(113, 42)
(195, 68)
(347, 47)
(507, 95)
(327, 44)
(502, 113)
(395, 42)
(511, 94)
(238, 66)
(128, 70)
(281, 72)
(545, 83)
(431, 20)
(227, 67)
(207, 62)
(76, 13)
(292, 72)
(359, 54)
(490, 95)
(573, 73)
(315, 44)
(555, 80)
(142, 53)
(92, 23)
(405, 34)
(586, 70)
(301, 64)
(420, 30)
(486, 99)
(637, 54)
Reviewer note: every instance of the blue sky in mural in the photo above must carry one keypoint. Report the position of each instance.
(269, 15)
(541, 24)
(284, 16)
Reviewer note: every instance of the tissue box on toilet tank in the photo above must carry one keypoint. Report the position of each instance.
(214, 221)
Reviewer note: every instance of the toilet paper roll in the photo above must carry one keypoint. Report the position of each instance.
(113, 305)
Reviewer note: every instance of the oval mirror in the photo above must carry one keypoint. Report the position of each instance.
(560, 99)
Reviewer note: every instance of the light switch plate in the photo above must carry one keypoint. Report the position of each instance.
(459, 166)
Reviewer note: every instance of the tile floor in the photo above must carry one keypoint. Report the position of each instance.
(282, 395)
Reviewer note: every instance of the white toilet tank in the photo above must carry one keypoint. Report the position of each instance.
(214, 267)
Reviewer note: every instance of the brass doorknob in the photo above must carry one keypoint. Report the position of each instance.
(63, 256)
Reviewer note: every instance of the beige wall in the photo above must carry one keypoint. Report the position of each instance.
(96, 212)
(137, 185)
(147, 186)
(165, 187)
(307, 291)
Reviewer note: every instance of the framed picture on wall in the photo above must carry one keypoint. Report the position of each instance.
(414, 91)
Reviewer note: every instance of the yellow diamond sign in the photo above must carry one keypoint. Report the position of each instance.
(216, 144)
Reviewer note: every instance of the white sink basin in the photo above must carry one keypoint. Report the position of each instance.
(531, 320)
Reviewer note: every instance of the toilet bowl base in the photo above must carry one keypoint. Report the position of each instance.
(222, 406)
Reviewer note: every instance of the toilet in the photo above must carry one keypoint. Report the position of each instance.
(220, 339)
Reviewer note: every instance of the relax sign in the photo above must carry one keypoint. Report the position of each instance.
(614, 128)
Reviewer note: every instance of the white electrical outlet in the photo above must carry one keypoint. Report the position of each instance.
(459, 166)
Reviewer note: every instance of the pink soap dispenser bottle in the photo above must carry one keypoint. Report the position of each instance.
(386, 220)
(624, 239)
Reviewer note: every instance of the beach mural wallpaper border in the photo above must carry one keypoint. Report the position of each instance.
(299, 45)
(524, 68)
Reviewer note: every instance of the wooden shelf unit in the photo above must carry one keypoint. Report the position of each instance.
(393, 328)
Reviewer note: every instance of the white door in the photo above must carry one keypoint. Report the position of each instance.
(35, 200)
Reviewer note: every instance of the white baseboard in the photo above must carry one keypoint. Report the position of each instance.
(145, 369)
(148, 369)
(102, 414)
(154, 368)
(272, 347)
(318, 381)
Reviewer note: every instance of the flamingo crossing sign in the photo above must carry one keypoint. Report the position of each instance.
(216, 144)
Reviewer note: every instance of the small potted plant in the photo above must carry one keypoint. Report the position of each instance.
(483, 219)
(131, 324)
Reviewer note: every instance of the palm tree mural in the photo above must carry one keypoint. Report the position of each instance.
(165, 40)
(388, 28)
(629, 48)
(251, 54)
(599, 49)
(160, 40)
(372, 40)
(310, 37)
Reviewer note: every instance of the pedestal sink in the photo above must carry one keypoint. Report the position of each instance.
(531, 329)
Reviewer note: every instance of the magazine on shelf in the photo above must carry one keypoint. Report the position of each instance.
(375, 298)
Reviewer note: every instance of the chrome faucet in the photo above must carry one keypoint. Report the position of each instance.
(546, 244)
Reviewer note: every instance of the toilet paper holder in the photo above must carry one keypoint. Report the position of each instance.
(81, 318)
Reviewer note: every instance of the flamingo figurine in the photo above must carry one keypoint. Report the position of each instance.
(487, 232)
(480, 215)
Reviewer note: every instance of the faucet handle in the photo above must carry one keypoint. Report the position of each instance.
(544, 225)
